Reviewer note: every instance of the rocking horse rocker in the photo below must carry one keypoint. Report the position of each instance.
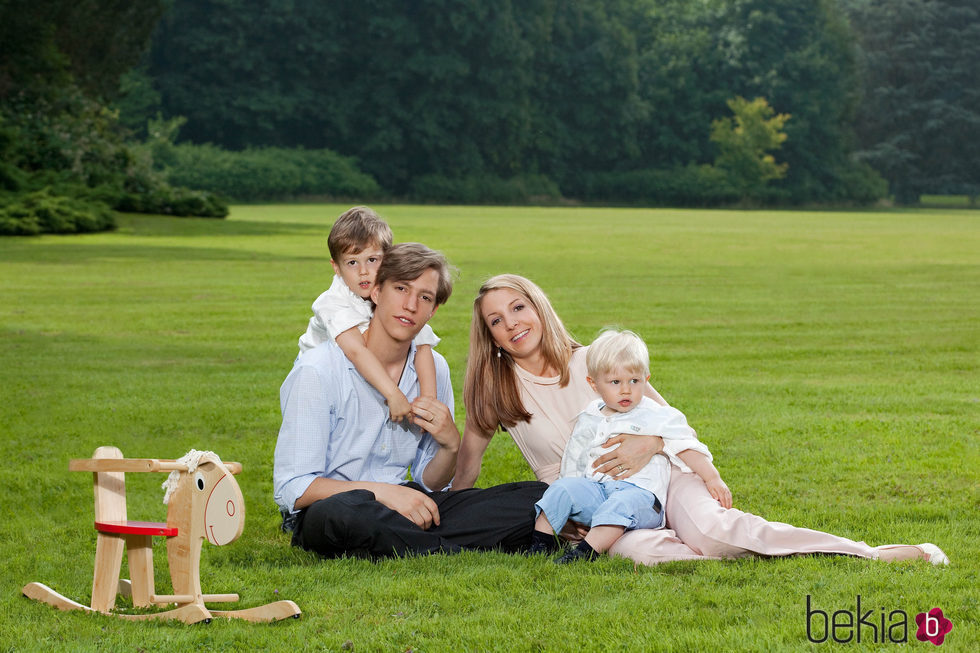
(204, 503)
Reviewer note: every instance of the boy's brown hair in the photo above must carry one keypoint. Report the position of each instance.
(407, 262)
(357, 229)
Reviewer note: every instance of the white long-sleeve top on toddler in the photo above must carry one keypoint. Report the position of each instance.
(337, 310)
(592, 429)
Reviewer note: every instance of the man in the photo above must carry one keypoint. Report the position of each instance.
(341, 465)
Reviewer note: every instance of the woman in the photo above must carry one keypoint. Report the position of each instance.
(527, 373)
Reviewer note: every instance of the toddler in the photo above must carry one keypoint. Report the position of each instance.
(358, 240)
(618, 365)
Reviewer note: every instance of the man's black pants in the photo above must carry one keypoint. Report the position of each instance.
(354, 523)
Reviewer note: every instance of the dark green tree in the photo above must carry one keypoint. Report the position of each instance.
(681, 79)
(920, 116)
(410, 88)
(65, 158)
(586, 100)
(436, 87)
(800, 56)
(246, 73)
(93, 41)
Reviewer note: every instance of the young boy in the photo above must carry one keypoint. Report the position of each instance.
(619, 368)
(358, 240)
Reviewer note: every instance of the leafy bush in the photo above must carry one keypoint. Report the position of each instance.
(690, 185)
(171, 200)
(46, 212)
(484, 189)
(64, 143)
(11, 177)
(862, 184)
(266, 173)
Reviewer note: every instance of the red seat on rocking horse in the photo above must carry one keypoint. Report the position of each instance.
(204, 503)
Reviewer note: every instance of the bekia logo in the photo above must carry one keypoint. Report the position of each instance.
(843, 626)
(933, 626)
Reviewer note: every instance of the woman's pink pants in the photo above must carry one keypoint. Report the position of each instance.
(699, 528)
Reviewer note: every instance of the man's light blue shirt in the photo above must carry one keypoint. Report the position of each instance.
(335, 425)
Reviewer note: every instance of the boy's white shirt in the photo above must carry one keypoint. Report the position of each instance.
(592, 429)
(339, 309)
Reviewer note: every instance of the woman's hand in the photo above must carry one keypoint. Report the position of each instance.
(632, 454)
(573, 531)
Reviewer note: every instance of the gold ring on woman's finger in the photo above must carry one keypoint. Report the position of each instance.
(620, 469)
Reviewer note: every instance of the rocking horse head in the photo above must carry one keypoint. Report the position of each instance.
(205, 500)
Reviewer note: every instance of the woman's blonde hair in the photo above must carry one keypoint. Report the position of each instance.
(490, 390)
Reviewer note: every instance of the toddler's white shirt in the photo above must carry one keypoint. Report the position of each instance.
(592, 429)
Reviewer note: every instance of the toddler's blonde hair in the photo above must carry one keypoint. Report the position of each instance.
(614, 349)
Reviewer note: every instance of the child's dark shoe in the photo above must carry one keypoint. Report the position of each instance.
(543, 543)
(582, 552)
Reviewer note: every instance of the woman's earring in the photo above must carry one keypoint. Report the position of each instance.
(498, 352)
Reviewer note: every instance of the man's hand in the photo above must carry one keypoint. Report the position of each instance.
(632, 454)
(434, 416)
(409, 503)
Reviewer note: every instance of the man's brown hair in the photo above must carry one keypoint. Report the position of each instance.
(407, 262)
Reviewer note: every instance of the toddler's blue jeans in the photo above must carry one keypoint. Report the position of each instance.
(599, 503)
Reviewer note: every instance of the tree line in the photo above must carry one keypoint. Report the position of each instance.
(564, 89)
(571, 90)
(919, 118)
(608, 100)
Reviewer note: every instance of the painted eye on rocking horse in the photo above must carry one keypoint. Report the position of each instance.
(199, 481)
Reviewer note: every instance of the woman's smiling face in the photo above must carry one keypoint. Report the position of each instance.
(512, 321)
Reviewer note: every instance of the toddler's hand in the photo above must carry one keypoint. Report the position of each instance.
(720, 491)
(398, 407)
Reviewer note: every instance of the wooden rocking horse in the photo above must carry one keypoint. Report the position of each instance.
(204, 503)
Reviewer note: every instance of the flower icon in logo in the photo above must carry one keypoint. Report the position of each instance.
(933, 626)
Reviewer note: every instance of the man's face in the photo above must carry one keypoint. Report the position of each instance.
(402, 307)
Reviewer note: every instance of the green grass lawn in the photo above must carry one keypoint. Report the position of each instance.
(829, 359)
